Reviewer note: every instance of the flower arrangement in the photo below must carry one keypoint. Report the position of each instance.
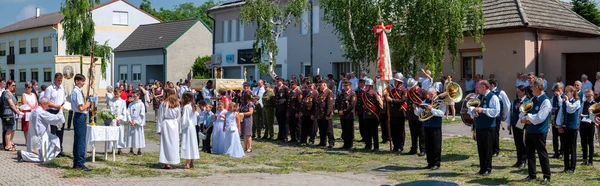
(106, 114)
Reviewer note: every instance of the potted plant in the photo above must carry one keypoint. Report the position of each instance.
(108, 117)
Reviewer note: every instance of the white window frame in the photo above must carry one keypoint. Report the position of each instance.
(120, 18)
(47, 44)
(23, 46)
(35, 45)
(136, 76)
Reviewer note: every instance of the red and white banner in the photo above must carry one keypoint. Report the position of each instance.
(385, 60)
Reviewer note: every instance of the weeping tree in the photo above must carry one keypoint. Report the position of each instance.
(272, 18)
(422, 30)
(78, 26)
(104, 52)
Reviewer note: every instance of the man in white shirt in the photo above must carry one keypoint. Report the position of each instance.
(503, 116)
(56, 94)
(518, 81)
(208, 93)
(426, 81)
(354, 81)
(184, 88)
(44, 146)
(586, 84)
(485, 123)
(257, 120)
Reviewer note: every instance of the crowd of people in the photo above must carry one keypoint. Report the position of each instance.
(305, 106)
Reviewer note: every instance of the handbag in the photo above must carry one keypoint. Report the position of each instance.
(8, 121)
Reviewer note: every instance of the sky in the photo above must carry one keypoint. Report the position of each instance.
(12, 11)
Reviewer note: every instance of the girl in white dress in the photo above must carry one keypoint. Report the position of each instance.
(218, 136)
(118, 107)
(167, 127)
(233, 146)
(189, 143)
(136, 115)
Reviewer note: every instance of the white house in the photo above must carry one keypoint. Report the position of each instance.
(29, 48)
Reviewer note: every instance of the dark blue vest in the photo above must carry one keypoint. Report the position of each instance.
(483, 121)
(555, 105)
(571, 121)
(497, 93)
(435, 121)
(584, 109)
(514, 116)
(541, 128)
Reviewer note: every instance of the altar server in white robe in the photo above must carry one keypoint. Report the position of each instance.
(169, 114)
(136, 115)
(44, 145)
(189, 143)
(119, 108)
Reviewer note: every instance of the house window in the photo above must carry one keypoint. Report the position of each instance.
(34, 74)
(47, 44)
(47, 74)
(120, 18)
(225, 31)
(22, 47)
(316, 19)
(123, 72)
(305, 22)
(136, 72)
(11, 48)
(2, 49)
(34, 45)
(22, 75)
(471, 65)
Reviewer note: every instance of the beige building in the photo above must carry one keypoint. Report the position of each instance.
(541, 36)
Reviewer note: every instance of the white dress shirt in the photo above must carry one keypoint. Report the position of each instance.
(56, 94)
(571, 108)
(207, 95)
(77, 100)
(182, 90)
(436, 112)
(259, 91)
(542, 114)
(493, 109)
(586, 85)
(354, 82)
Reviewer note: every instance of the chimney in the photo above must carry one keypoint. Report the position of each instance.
(37, 12)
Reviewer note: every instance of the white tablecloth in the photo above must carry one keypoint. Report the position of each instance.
(101, 133)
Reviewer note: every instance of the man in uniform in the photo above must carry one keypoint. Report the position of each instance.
(485, 123)
(294, 112)
(397, 102)
(517, 132)
(323, 114)
(281, 103)
(504, 110)
(309, 97)
(268, 101)
(372, 106)
(347, 102)
(536, 129)
(433, 129)
(415, 95)
(360, 109)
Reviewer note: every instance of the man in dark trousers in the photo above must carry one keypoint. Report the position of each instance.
(360, 109)
(415, 96)
(57, 96)
(397, 102)
(372, 106)
(504, 109)
(536, 129)
(293, 112)
(347, 101)
(517, 132)
(309, 97)
(485, 124)
(281, 103)
(433, 128)
(323, 113)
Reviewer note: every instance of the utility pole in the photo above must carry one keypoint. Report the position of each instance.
(311, 39)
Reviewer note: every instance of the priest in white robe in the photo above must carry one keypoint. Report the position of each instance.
(136, 115)
(119, 108)
(44, 145)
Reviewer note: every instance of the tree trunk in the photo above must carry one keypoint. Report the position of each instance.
(272, 65)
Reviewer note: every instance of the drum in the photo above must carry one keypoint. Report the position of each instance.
(464, 115)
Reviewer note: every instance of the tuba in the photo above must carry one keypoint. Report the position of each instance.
(453, 92)
(472, 101)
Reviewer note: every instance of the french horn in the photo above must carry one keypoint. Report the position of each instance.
(426, 114)
(526, 107)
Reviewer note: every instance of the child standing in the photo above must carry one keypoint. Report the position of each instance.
(208, 119)
(232, 144)
(217, 129)
(169, 114)
(189, 143)
(136, 114)
(118, 107)
(568, 123)
(80, 109)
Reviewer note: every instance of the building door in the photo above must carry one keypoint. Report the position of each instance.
(155, 72)
(581, 63)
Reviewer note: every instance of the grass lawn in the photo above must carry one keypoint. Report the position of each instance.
(459, 163)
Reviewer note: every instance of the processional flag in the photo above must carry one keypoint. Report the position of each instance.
(383, 50)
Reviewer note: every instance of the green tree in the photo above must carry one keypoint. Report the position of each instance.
(199, 69)
(179, 12)
(588, 10)
(422, 30)
(272, 18)
(104, 52)
(78, 26)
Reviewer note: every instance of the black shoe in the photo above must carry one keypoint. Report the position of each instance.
(412, 152)
(61, 155)
(591, 163)
(585, 162)
(516, 165)
(384, 141)
(555, 156)
(19, 156)
(84, 168)
(139, 153)
(435, 167)
(375, 150)
(422, 154)
(486, 173)
(545, 181)
(131, 152)
(428, 167)
(321, 145)
(119, 152)
(398, 150)
(529, 178)
(572, 171)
